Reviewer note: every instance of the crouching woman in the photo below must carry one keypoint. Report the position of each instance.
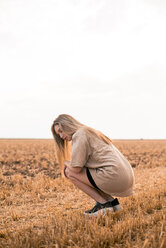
(94, 164)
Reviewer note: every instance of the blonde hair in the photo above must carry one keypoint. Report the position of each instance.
(70, 125)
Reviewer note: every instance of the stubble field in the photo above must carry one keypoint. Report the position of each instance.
(38, 208)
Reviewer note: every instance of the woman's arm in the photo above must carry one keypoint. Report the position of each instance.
(74, 169)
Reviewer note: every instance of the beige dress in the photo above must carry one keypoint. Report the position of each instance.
(110, 170)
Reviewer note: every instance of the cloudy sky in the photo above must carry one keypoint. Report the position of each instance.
(101, 61)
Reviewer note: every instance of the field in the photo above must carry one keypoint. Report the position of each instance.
(38, 208)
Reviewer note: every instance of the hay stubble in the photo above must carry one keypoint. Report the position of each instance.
(40, 209)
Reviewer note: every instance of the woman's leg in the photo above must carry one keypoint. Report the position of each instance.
(106, 196)
(82, 182)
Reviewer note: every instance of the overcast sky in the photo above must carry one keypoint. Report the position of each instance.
(101, 61)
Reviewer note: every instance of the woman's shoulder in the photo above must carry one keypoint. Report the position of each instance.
(81, 132)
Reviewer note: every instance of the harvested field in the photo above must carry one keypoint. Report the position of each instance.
(40, 209)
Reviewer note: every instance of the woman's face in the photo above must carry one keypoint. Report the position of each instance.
(61, 133)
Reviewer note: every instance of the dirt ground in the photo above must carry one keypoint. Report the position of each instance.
(40, 209)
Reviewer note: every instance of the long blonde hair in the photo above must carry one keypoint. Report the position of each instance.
(70, 125)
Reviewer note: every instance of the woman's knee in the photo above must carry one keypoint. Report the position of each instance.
(69, 173)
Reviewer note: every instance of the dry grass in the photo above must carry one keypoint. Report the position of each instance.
(40, 209)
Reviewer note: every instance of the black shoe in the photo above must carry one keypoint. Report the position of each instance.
(100, 208)
(116, 205)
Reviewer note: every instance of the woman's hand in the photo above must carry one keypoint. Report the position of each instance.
(64, 168)
(65, 165)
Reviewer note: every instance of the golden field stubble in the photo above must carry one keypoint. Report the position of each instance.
(40, 209)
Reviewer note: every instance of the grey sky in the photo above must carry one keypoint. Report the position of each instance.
(101, 61)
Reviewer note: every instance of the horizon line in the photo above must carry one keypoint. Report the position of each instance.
(53, 139)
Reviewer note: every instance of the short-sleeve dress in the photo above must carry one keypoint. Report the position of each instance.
(110, 170)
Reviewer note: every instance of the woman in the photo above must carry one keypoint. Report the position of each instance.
(92, 163)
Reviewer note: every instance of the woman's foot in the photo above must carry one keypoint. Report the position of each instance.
(100, 208)
(116, 205)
